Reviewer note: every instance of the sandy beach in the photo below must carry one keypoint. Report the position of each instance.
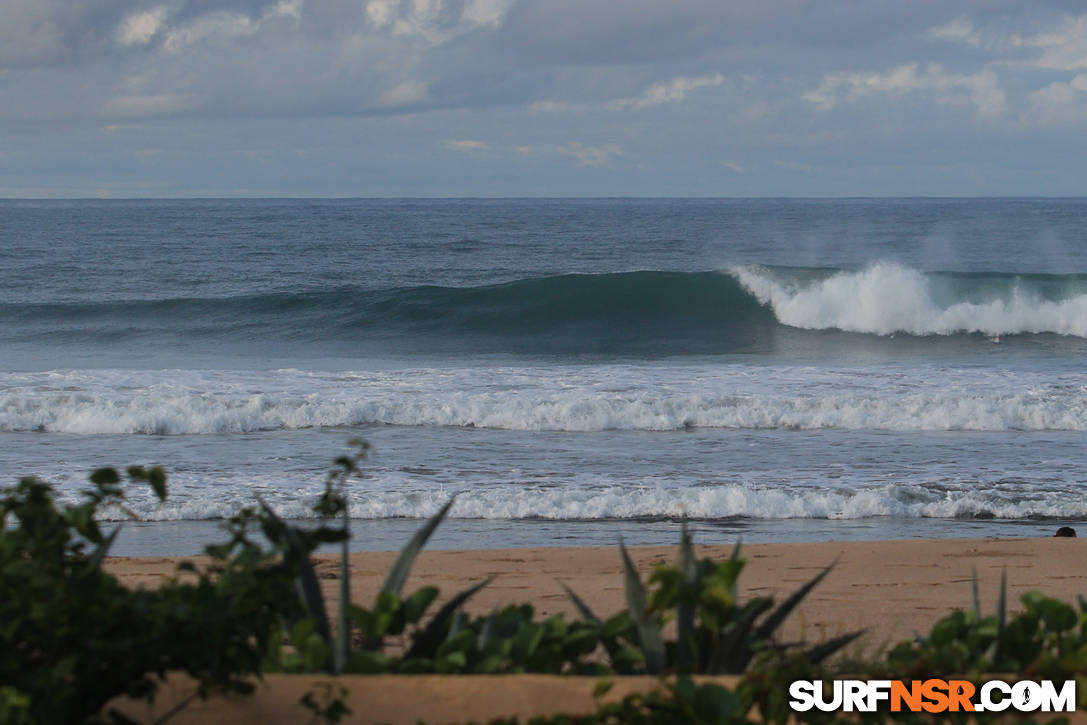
(892, 589)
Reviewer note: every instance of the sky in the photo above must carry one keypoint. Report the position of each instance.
(378, 98)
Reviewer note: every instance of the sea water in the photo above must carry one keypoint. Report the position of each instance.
(574, 370)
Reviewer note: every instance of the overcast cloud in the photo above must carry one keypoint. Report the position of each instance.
(542, 97)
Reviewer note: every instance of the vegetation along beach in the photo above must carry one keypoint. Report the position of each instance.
(495, 361)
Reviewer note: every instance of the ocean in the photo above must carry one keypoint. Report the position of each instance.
(575, 370)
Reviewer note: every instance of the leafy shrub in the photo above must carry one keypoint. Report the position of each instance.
(71, 637)
(681, 701)
(1048, 640)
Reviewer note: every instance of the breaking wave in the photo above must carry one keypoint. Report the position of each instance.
(887, 298)
(163, 413)
(729, 501)
(648, 312)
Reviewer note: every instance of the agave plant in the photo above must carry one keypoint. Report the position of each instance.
(716, 632)
(315, 647)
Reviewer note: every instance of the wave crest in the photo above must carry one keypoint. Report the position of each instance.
(887, 298)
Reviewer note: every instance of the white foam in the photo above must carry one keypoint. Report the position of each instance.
(181, 415)
(629, 502)
(887, 298)
(567, 399)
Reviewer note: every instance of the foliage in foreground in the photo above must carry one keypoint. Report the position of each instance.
(72, 638)
(716, 632)
(681, 701)
(1047, 640)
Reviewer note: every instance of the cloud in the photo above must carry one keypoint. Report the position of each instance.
(287, 9)
(1064, 48)
(140, 28)
(486, 12)
(982, 89)
(147, 105)
(466, 145)
(959, 29)
(1059, 103)
(674, 90)
(436, 21)
(591, 155)
(403, 94)
(217, 27)
(660, 89)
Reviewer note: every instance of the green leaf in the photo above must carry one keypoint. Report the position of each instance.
(685, 610)
(526, 641)
(430, 638)
(974, 591)
(100, 551)
(398, 574)
(1057, 615)
(415, 606)
(105, 477)
(301, 631)
(774, 619)
(157, 478)
(1001, 614)
(368, 662)
(715, 704)
(581, 606)
(820, 652)
(602, 688)
(732, 652)
(343, 632)
(453, 662)
(307, 575)
(649, 634)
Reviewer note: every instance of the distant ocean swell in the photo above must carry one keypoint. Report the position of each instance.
(623, 502)
(168, 413)
(712, 311)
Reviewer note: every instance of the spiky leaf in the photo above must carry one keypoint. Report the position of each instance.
(649, 633)
(774, 619)
(428, 641)
(398, 574)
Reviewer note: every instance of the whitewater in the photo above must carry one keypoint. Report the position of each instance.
(571, 369)
(578, 399)
(887, 298)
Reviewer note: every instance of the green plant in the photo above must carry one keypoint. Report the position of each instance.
(329, 705)
(1047, 639)
(71, 637)
(716, 632)
(677, 702)
(314, 647)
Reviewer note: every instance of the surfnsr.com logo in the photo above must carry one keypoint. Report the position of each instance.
(932, 695)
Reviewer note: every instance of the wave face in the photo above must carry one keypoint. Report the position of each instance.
(639, 312)
(886, 298)
(655, 313)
